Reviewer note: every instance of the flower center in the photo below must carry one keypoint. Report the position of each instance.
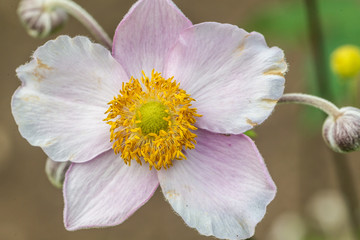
(152, 121)
(151, 116)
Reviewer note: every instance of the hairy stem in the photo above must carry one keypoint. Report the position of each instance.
(343, 169)
(320, 103)
(340, 161)
(84, 17)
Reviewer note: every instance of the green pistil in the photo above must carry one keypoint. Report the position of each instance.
(152, 117)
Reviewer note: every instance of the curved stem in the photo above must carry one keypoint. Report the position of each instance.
(342, 166)
(343, 169)
(84, 17)
(310, 100)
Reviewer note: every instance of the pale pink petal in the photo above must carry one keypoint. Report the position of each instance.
(105, 191)
(235, 78)
(145, 35)
(223, 187)
(64, 94)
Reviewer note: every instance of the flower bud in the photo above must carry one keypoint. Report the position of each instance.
(342, 133)
(56, 171)
(345, 61)
(40, 18)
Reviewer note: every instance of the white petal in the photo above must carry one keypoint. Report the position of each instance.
(105, 192)
(223, 187)
(235, 78)
(64, 94)
(145, 36)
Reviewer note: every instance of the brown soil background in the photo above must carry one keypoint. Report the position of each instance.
(31, 209)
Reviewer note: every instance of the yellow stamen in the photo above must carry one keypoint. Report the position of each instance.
(151, 121)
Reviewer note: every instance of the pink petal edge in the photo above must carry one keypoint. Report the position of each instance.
(235, 78)
(150, 52)
(219, 189)
(66, 203)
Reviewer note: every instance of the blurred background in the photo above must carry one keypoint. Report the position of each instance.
(309, 203)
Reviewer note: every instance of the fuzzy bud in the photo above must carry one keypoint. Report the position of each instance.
(342, 133)
(40, 18)
(56, 171)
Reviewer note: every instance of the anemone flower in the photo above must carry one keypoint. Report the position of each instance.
(172, 99)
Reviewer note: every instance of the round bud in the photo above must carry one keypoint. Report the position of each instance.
(342, 133)
(345, 61)
(56, 171)
(40, 18)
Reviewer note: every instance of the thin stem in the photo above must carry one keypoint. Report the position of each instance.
(310, 100)
(353, 88)
(348, 189)
(317, 45)
(343, 170)
(84, 17)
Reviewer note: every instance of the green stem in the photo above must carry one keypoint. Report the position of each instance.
(317, 45)
(340, 161)
(353, 89)
(348, 189)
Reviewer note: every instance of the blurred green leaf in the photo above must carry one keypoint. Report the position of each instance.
(282, 22)
(286, 23)
(340, 23)
(251, 134)
(314, 237)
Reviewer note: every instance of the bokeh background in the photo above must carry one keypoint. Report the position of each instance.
(290, 140)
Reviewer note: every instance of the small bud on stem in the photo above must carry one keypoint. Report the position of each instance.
(56, 171)
(342, 134)
(341, 130)
(42, 17)
(39, 19)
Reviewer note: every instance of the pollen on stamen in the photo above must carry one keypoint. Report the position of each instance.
(151, 121)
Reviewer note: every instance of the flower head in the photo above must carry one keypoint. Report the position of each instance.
(39, 19)
(345, 61)
(173, 97)
(342, 133)
(155, 119)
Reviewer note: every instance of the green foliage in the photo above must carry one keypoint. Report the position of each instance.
(286, 25)
(315, 237)
(287, 22)
(251, 134)
(340, 23)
